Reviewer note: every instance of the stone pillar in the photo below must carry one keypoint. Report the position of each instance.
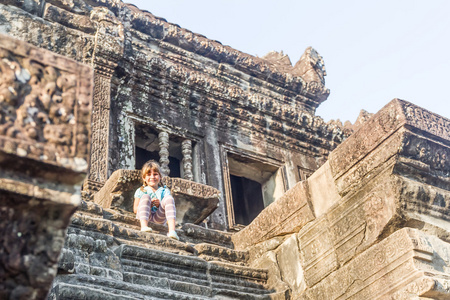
(44, 147)
(164, 152)
(186, 149)
(108, 50)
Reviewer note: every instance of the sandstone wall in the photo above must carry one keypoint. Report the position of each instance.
(372, 222)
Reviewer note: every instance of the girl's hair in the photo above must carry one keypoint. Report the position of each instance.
(149, 166)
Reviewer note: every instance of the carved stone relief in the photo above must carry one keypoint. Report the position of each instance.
(45, 109)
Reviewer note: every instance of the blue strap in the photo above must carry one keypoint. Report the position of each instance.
(162, 193)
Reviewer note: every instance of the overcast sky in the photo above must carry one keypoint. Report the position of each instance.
(374, 51)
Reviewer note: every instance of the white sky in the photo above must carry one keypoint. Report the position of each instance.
(374, 51)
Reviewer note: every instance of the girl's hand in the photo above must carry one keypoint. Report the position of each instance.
(155, 202)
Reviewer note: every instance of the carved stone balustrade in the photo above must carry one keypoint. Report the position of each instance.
(194, 201)
(45, 113)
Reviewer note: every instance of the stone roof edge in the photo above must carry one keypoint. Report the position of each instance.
(261, 68)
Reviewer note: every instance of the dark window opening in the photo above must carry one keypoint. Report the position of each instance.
(247, 199)
(142, 156)
(174, 166)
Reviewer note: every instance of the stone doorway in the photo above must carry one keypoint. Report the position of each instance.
(248, 199)
(251, 184)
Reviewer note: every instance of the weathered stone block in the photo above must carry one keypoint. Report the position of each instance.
(317, 254)
(407, 263)
(413, 132)
(322, 190)
(45, 103)
(288, 259)
(286, 215)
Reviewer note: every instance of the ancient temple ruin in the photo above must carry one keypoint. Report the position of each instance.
(272, 202)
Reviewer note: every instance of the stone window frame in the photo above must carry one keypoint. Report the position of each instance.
(134, 119)
(224, 151)
(303, 173)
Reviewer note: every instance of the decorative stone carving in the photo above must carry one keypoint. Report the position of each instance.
(45, 105)
(45, 108)
(404, 259)
(186, 150)
(279, 61)
(108, 50)
(312, 69)
(164, 152)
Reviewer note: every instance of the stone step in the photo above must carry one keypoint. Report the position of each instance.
(133, 236)
(196, 234)
(190, 233)
(64, 291)
(190, 269)
(88, 287)
(90, 225)
(97, 219)
(189, 284)
(83, 286)
(211, 252)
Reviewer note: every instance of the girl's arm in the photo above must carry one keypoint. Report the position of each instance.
(136, 204)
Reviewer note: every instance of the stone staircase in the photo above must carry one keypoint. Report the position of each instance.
(106, 256)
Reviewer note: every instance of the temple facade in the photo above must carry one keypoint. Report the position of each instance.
(272, 202)
(207, 112)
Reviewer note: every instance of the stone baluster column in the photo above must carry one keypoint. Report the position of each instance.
(186, 149)
(164, 152)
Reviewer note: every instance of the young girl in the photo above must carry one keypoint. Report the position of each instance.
(153, 202)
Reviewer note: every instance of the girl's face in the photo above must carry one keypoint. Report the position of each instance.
(152, 179)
